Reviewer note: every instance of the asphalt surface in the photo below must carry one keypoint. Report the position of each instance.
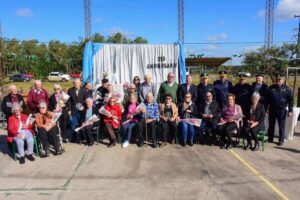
(171, 172)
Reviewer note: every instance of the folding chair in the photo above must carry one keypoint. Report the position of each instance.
(14, 147)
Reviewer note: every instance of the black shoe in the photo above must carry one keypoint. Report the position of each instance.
(57, 152)
(47, 151)
(248, 146)
(22, 160)
(30, 157)
(91, 144)
(65, 140)
(269, 141)
(113, 143)
(228, 146)
(140, 144)
(191, 144)
(154, 145)
(280, 144)
(256, 147)
(222, 146)
(184, 144)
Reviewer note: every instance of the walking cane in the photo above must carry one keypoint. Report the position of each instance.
(146, 135)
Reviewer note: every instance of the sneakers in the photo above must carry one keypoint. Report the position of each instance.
(125, 144)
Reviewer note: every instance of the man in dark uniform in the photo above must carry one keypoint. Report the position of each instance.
(242, 92)
(203, 88)
(279, 97)
(262, 88)
(222, 88)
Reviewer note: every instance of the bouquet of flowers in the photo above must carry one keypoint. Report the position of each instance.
(136, 112)
(30, 120)
(103, 111)
(55, 118)
(91, 120)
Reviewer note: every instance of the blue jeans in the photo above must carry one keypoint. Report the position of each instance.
(187, 129)
(20, 143)
(127, 131)
(74, 124)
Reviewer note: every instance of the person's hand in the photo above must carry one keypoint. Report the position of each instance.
(25, 126)
(47, 127)
(188, 111)
(165, 119)
(222, 120)
(172, 119)
(69, 113)
(20, 136)
(210, 116)
(149, 120)
(289, 114)
(253, 124)
(230, 120)
(177, 119)
(204, 116)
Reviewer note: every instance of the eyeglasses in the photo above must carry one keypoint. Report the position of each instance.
(112, 101)
(132, 88)
(168, 98)
(136, 79)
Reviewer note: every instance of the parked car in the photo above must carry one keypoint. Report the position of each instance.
(58, 76)
(75, 75)
(29, 75)
(247, 74)
(19, 78)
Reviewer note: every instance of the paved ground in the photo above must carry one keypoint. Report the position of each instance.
(172, 172)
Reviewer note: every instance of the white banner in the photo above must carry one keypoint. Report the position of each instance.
(123, 62)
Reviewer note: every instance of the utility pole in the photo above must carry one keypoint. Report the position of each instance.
(1, 55)
(87, 19)
(181, 20)
(297, 59)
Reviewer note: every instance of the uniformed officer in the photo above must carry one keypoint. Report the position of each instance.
(279, 97)
(203, 88)
(222, 88)
(262, 88)
(242, 92)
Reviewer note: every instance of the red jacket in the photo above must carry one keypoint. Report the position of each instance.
(116, 111)
(13, 126)
(34, 97)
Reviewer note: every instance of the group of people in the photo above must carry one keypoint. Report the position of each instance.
(223, 109)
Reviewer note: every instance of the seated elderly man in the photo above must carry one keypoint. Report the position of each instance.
(8, 100)
(150, 117)
(88, 112)
(47, 129)
(19, 131)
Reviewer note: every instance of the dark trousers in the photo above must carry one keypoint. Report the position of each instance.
(51, 135)
(225, 130)
(63, 123)
(110, 131)
(249, 133)
(168, 128)
(280, 115)
(207, 125)
(150, 126)
(87, 134)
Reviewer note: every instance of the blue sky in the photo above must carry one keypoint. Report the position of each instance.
(210, 22)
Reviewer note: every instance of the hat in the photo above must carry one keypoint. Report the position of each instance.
(278, 76)
(222, 73)
(204, 75)
(242, 76)
(105, 80)
(261, 75)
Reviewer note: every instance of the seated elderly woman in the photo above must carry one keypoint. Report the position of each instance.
(168, 115)
(187, 109)
(19, 131)
(47, 129)
(88, 112)
(130, 91)
(112, 121)
(255, 122)
(131, 119)
(230, 120)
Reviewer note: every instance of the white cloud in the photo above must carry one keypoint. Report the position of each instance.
(24, 12)
(114, 30)
(286, 9)
(221, 36)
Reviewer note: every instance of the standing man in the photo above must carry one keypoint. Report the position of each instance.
(262, 88)
(8, 100)
(203, 88)
(187, 87)
(168, 87)
(37, 95)
(146, 87)
(242, 92)
(222, 88)
(76, 101)
(279, 97)
(102, 90)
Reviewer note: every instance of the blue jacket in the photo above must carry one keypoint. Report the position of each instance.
(222, 90)
(279, 97)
